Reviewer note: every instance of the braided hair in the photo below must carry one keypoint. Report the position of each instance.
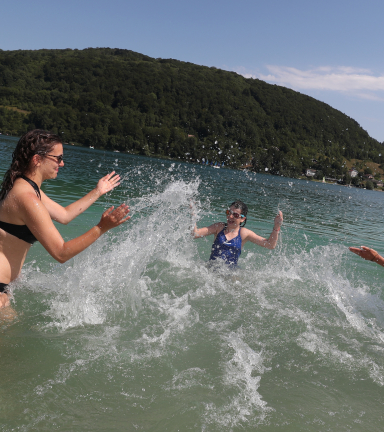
(243, 208)
(36, 141)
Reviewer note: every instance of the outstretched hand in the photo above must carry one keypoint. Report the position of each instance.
(279, 219)
(107, 183)
(112, 217)
(365, 252)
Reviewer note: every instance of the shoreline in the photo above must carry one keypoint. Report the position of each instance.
(241, 168)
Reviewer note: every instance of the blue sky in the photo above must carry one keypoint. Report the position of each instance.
(330, 50)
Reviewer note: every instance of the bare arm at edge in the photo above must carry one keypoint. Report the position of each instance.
(368, 254)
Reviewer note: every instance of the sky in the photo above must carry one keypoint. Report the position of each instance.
(332, 50)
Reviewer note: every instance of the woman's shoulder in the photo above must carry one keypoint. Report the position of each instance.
(22, 198)
(18, 202)
(21, 190)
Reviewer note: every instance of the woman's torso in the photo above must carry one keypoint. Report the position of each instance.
(13, 249)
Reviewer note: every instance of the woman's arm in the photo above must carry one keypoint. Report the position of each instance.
(38, 220)
(272, 240)
(368, 254)
(65, 215)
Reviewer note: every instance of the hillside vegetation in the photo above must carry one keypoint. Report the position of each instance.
(121, 100)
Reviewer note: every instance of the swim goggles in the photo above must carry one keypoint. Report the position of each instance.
(235, 215)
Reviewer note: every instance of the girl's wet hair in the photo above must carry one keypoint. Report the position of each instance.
(243, 208)
(36, 141)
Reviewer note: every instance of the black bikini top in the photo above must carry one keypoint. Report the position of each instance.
(22, 231)
(33, 184)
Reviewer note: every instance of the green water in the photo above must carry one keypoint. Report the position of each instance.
(136, 334)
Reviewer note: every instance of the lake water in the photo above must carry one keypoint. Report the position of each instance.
(137, 334)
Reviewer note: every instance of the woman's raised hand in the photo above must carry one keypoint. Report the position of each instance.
(107, 183)
(112, 217)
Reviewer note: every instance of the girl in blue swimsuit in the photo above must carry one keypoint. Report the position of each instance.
(26, 213)
(231, 236)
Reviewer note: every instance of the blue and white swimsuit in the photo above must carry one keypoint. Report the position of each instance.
(227, 250)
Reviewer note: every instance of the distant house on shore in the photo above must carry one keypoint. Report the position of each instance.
(379, 183)
(309, 172)
(353, 172)
(368, 176)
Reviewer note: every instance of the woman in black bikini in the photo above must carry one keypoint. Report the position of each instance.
(26, 213)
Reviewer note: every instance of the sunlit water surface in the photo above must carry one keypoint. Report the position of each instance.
(137, 334)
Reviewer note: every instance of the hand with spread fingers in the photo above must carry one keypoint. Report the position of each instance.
(107, 183)
(112, 217)
(368, 254)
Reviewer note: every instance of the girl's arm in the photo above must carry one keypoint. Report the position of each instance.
(39, 221)
(272, 240)
(65, 215)
(206, 231)
(368, 254)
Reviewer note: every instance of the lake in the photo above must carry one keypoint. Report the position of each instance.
(138, 334)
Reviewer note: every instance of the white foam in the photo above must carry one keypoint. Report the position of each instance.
(242, 378)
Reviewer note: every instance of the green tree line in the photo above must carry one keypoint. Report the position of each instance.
(121, 100)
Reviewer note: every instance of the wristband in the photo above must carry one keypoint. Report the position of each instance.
(274, 229)
(377, 253)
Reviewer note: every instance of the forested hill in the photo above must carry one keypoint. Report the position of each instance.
(119, 99)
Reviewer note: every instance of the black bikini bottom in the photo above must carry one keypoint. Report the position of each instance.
(3, 288)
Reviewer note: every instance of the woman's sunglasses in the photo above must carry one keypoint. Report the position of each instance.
(58, 158)
(235, 215)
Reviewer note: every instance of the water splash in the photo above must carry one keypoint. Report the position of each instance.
(145, 324)
(108, 277)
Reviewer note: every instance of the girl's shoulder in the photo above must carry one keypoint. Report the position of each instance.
(244, 232)
(219, 226)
